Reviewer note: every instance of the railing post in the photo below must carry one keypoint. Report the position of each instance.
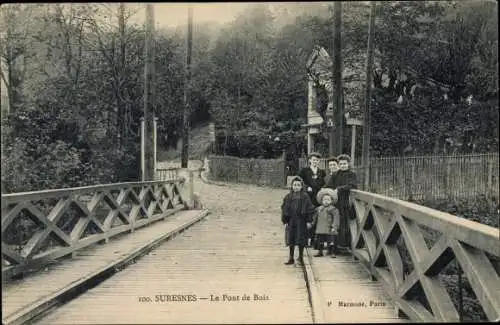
(188, 193)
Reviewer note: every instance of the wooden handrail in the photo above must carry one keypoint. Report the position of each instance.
(377, 224)
(75, 218)
(470, 232)
(55, 193)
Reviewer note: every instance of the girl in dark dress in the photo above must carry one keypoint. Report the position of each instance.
(296, 213)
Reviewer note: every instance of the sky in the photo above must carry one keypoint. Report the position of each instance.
(175, 14)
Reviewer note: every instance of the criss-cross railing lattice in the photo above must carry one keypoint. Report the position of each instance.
(41, 227)
(380, 226)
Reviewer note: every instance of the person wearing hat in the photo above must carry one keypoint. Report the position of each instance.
(344, 181)
(327, 219)
(313, 176)
(314, 180)
(296, 214)
(333, 168)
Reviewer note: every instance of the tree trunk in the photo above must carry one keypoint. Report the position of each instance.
(122, 112)
(12, 83)
(377, 79)
(392, 80)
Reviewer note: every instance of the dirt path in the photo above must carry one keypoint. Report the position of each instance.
(240, 198)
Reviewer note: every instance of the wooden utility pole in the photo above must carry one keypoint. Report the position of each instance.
(337, 77)
(368, 99)
(187, 91)
(149, 99)
(122, 111)
(331, 134)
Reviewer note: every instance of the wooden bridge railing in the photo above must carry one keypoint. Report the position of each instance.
(380, 226)
(41, 227)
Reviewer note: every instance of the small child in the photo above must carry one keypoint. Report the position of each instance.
(327, 220)
(296, 213)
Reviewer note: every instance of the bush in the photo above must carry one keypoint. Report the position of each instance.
(48, 165)
(482, 208)
(41, 150)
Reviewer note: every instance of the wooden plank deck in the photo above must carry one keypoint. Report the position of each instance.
(26, 296)
(236, 251)
(231, 254)
(347, 294)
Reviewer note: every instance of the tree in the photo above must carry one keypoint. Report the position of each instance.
(112, 38)
(474, 44)
(169, 86)
(15, 49)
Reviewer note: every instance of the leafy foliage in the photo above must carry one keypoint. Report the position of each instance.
(415, 42)
(81, 68)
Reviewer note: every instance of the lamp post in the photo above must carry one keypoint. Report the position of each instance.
(147, 131)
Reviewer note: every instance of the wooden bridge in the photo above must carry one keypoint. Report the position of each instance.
(141, 253)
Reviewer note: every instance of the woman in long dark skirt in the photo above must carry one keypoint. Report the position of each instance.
(296, 213)
(344, 181)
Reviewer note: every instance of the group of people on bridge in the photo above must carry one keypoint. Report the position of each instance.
(316, 211)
